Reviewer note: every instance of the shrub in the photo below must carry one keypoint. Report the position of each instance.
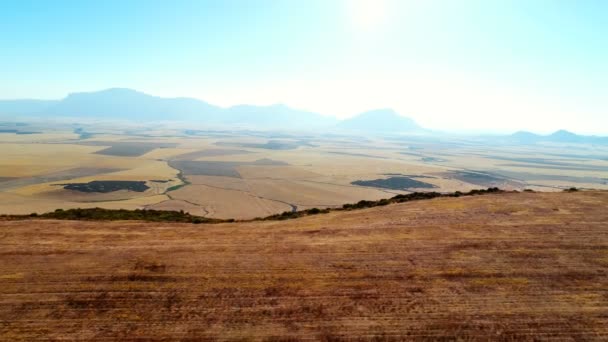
(383, 201)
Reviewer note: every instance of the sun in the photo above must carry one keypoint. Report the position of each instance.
(367, 14)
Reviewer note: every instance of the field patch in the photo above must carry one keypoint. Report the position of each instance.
(394, 183)
(55, 177)
(216, 168)
(484, 179)
(352, 154)
(309, 193)
(127, 149)
(226, 203)
(107, 186)
(209, 153)
(269, 145)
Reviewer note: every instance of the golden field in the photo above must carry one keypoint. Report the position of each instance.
(244, 175)
(507, 267)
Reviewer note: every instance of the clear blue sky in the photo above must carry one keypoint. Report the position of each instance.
(497, 65)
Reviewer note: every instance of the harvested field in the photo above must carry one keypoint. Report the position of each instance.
(216, 168)
(528, 266)
(481, 178)
(275, 172)
(270, 145)
(312, 194)
(54, 177)
(209, 153)
(127, 149)
(206, 168)
(227, 203)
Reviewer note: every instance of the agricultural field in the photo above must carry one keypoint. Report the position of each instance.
(508, 266)
(245, 174)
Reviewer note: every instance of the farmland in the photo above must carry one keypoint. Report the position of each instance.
(247, 174)
(507, 266)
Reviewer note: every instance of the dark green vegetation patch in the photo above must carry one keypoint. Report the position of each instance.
(99, 214)
(394, 183)
(107, 186)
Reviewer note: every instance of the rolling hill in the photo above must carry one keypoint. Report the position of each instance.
(510, 266)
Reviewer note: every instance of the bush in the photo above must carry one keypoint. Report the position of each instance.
(383, 201)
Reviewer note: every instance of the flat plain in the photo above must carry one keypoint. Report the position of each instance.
(510, 266)
(247, 174)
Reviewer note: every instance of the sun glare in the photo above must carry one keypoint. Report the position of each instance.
(367, 14)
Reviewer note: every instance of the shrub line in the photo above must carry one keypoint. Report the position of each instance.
(100, 214)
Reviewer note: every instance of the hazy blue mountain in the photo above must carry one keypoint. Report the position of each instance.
(118, 103)
(25, 107)
(565, 136)
(561, 136)
(380, 120)
(128, 104)
(525, 137)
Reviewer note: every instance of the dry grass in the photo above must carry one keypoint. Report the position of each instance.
(444, 269)
(222, 203)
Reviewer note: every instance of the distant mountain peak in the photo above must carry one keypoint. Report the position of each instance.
(381, 120)
(108, 91)
(560, 136)
(563, 132)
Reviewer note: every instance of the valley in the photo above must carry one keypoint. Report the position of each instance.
(247, 174)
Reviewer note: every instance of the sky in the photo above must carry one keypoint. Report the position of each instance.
(456, 65)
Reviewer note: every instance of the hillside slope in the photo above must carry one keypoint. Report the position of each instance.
(496, 267)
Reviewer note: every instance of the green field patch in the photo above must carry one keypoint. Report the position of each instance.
(394, 183)
(107, 186)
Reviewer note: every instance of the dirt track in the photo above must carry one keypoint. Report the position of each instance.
(499, 267)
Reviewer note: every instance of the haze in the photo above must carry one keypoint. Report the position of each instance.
(456, 66)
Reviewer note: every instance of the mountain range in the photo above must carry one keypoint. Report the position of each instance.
(561, 136)
(128, 104)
